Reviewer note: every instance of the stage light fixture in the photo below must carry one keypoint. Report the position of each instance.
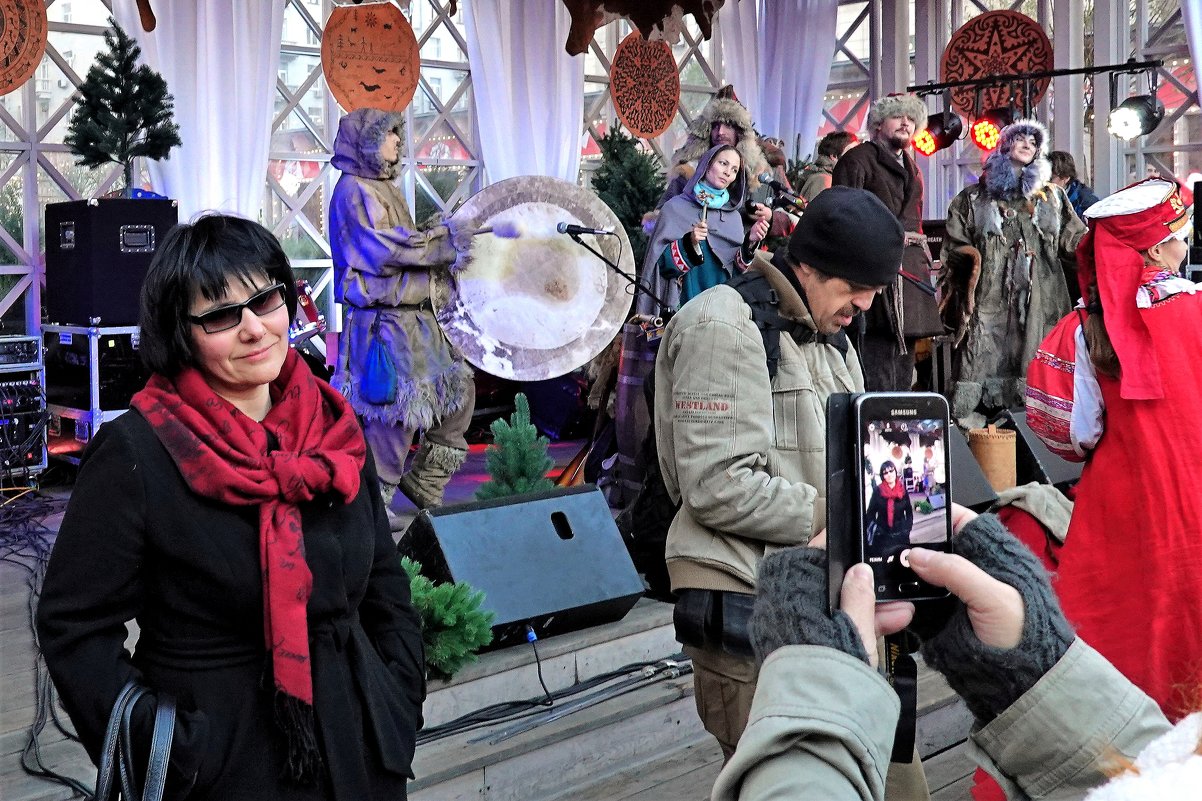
(1138, 115)
(1135, 116)
(942, 129)
(986, 130)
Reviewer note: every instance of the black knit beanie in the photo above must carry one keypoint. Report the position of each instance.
(849, 233)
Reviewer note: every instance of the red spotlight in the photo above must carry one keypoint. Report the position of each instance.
(987, 130)
(941, 131)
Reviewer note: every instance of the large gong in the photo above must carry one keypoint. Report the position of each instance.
(539, 305)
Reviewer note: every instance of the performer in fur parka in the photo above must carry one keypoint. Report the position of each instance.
(382, 269)
(1010, 240)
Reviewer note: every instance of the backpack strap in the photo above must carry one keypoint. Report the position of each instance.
(757, 293)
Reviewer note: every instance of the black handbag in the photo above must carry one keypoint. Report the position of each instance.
(920, 309)
(117, 757)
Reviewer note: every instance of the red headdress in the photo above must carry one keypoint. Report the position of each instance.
(1121, 226)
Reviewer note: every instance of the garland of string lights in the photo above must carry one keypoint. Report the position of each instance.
(1138, 115)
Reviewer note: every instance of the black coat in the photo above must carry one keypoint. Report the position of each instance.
(890, 539)
(872, 166)
(137, 544)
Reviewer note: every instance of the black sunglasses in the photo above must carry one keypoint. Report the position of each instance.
(223, 318)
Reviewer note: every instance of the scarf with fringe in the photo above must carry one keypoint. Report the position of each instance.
(224, 455)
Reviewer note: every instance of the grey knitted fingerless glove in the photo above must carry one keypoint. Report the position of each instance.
(791, 606)
(991, 679)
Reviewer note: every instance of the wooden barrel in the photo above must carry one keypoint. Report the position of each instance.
(631, 415)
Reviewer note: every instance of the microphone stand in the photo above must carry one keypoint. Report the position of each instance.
(630, 279)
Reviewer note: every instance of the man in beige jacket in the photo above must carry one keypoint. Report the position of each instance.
(742, 448)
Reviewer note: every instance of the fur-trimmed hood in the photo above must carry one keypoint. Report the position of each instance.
(734, 114)
(1000, 180)
(357, 145)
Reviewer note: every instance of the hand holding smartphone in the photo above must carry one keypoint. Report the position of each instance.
(888, 488)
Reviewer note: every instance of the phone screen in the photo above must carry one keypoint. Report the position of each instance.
(903, 487)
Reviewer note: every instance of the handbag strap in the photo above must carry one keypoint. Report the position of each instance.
(117, 756)
(108, 754)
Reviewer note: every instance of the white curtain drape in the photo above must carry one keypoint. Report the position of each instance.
(529, 91)
(219, 58)
(796, 46)
(738, 32)
(1191, 18)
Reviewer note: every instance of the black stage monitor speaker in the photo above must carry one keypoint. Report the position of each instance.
(969, 486)
(1033, 460)
(554, 561)
(97, 252)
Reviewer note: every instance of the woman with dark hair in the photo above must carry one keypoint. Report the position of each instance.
(699, 239)
(1115, 385)
(890, 514)
(235, 516)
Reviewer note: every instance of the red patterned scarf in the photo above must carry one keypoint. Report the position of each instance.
(223, 454)
(890, 494)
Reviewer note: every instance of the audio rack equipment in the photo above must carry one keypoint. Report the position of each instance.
(20, 353)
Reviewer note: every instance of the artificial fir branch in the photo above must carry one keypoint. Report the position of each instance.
(629, 181)
(453, 625)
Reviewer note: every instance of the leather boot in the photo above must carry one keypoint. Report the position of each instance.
(432, 468)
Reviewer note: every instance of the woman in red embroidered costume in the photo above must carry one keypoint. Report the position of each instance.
(234, 514)
(1117, 384)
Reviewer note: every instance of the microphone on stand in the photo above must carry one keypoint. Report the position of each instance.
(574, 230)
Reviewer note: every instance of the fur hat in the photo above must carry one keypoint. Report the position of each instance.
(724, 108)
(999, 178)
(898, 105)
(1025, 128)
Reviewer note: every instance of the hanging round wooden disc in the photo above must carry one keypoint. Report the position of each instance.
(370, 57)
(645, 85)
(23, 28)
(996, 43)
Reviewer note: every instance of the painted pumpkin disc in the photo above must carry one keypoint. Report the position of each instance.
(645, 85)
(23, 30)
(996, 43)
(370, 57)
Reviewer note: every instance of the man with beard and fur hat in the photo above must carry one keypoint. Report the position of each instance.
(742, 448)
(884, 166)
(1010, 240)
(382, 266)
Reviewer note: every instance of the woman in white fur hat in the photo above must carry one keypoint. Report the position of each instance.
(1009, 245)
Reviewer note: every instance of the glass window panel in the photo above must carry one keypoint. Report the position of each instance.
(52, 89)
(426, 206)
(296, 30)
(85, 180)
(48, 192)
(12, 213)
(859, 43)
(295, 69)
(79, 12)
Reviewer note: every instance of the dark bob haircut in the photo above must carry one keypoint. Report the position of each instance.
(206, 255)
(886, 465)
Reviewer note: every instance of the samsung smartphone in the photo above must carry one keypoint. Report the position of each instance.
(902, 486)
